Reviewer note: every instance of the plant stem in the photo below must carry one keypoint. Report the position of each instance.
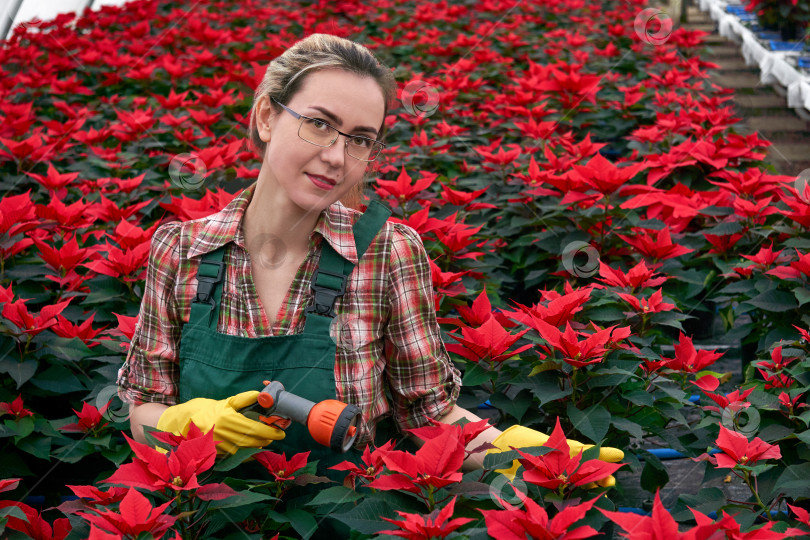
(747, 480)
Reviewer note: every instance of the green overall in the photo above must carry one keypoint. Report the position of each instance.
(217, 366)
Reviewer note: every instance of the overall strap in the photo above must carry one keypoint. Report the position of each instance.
(329, 280)
(210, 274)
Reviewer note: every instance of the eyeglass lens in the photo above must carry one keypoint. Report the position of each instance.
(321, 134)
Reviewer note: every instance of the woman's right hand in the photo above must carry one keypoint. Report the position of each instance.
(232, 430)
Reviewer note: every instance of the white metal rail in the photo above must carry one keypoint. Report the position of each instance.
(14, 12)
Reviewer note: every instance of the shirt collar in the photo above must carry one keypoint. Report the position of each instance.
(334, 224)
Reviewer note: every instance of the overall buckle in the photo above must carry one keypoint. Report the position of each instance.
(206, 284)
(324, 300)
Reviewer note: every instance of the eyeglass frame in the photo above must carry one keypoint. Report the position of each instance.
(348, 136)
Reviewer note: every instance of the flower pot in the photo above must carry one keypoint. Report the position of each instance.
(789, 30)
(702, 326)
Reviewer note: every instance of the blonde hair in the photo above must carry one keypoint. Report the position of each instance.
(286, 73)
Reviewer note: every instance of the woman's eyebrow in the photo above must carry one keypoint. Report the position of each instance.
(337, 120)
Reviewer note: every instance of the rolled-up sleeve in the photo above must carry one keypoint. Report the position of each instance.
(150, 371)
(422, 379)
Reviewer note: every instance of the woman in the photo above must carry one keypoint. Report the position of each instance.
(228, 300)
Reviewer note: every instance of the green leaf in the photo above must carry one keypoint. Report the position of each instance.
(593, 422)
(72, 349)
(13, 511)
(606, 314)
(804, 436)
(19, 371)
(639, 397)
(802, 295)
(334, 495)
(793, 482)
(237, 458)
(304, 522)
(516, 406)
(706, 500)
(654, 475)
(57, 379)
(240, 499)
(628, 426)
(117, 454)
(365, 517)
(774, 301)
(21, 428)
(503, 460)
(475, 375)
(724, 228)
(36, 446)
(545, 387)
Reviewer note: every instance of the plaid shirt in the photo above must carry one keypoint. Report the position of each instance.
(386, 330)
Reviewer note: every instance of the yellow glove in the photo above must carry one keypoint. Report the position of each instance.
(231, 428)
(523, 437)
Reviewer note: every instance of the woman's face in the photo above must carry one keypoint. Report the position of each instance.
(313, 177)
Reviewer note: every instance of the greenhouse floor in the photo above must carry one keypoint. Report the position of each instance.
(762, 108)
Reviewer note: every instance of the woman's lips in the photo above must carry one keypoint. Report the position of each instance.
(321, 182)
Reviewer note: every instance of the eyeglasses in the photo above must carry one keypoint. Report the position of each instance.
(319, 133)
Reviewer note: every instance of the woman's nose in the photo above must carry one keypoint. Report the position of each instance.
(335, 155)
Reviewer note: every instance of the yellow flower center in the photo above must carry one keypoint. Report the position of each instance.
(177, 481)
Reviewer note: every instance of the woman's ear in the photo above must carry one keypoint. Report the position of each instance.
(265, 118)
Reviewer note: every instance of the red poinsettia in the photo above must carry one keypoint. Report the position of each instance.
(404, 188)
(799, 269)
(371, 459)
(733, 401)
(15, 409)
(637, 277)
(489, 342)
(135, 516)
(436, 525)
(513, 523)
(738, 450)
(659, 526)
(603, 176)
(176, 471)
(557, 311)
(558, 470)
(774, 371)
(656, 246)
(690, 360)
(573, 351)
(437, 463)
(279, 466)
(90, 419)
(130, 264)
(84, 331)
(34, 526)
(653, 304)
(94, 496)
(17, 313)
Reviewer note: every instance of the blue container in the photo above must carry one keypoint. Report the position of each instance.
(786, 46)
(768, 35)
(804, 62)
